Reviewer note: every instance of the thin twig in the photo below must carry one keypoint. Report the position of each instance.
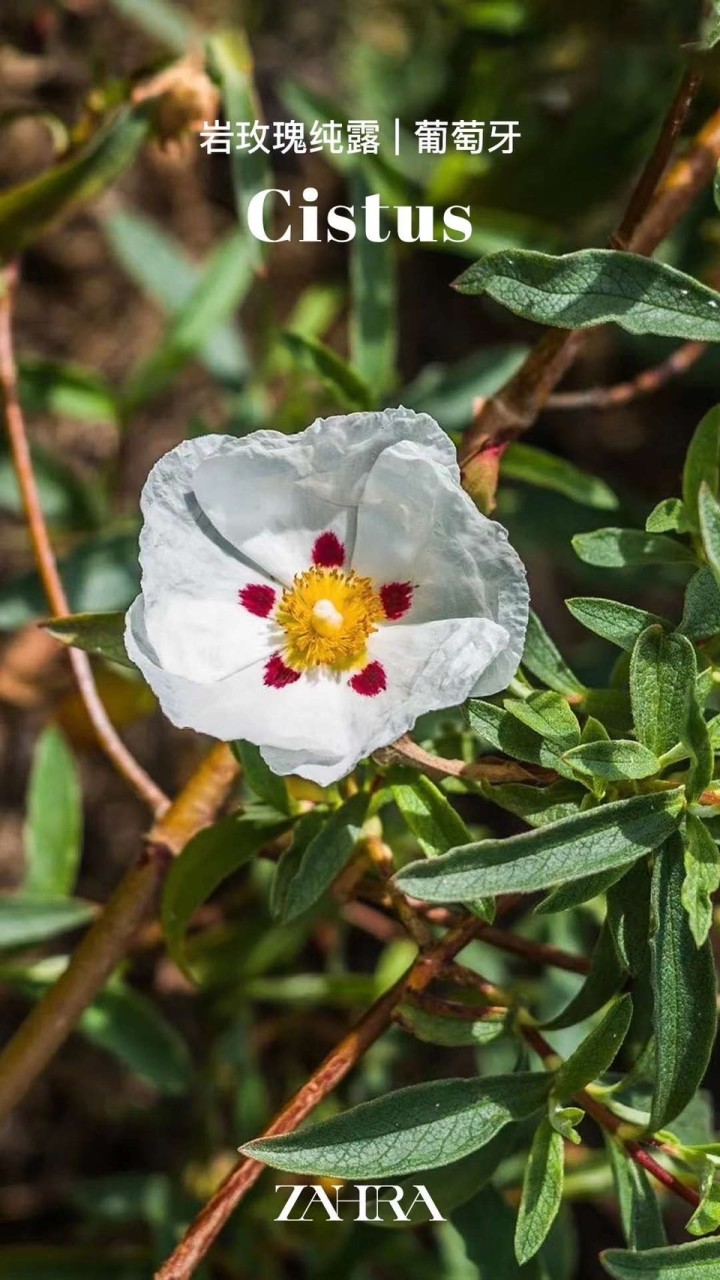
(644, 384)
(111, 743)
(204, 1230)
(108, 941)
(516, 406)
(489, 769)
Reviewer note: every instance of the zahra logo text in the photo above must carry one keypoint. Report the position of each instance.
(305, 1202)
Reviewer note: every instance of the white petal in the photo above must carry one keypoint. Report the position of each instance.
(272, 495)
(191, 577)
(416, 524)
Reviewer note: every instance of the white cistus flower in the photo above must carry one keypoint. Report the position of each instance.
(314, 594)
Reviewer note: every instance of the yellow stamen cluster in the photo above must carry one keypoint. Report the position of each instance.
(327, 616)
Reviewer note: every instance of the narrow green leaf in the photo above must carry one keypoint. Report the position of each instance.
(597, 1052)
(487, 1227)
(604, 980)
(547, 471)
(549, 715)
(161, 20)
(325, 856)
(99, 633)
(702, 877)
(158, 263)
(231, 57)
(49, 386)
(639, 1210)
(26, 920)
(454, 1184)
(208, 859)
(420, 1127)
(447, 392)
(541, 1192)
(595, 840)
(304, 830)
(628, 916)
(505, 732)
(537, 805)
(669, 516)
(333, 371)
(449, 1031)
(544, 660)
(226, 281)
(436, 826)
(663, 671)
(701, 612)
(594, 286)
(568, 896)
(684, 990)
(709, 514)
(373, 318)
(53, 830)
(702, 464)
(621, 624)
(706, 1218)
(696, 1261)
(613, 761)
(630, 548)
(266, 785)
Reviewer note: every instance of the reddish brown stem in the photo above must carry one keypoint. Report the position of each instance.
(645, 384)
(111, 743)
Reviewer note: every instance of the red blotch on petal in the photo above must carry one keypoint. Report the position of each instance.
(328, 552)
(396, 598)
(257, 598)
(370, 681)
(278, 674)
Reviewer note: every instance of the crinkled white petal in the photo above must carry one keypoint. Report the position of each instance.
(416, 524)
(271, 495)
(191, 578)
(320, 727)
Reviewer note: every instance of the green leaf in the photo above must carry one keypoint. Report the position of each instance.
(158, 263)
(448, 1031)
(420, 1127)
(547, 471)
(487, 1227)
(595, 840)
(706, 1217)
(26, 920)
(702, 465)
(49, 386)
(325, 856)
(208, 859)
(628, 916)
(597, 1052)
(621, 624)
(613, 761)
(231, 58)
(604, 980)
(261, 779)
(161, 20)
(669, 516)
(454, 1184)
(575, 892)
(702, 877)
(99, 633)
(629, 548)
(595, 286)
(537, 805)
(505, 732)
(373, 318)
(701, 613)
(447, 392)
(549, 715)
(334, 372)
(224, 284)
(709, 513)
(663, 670)
(544, 660)
(696, 1261)
(27, 210)
(639, 1210)
(304, 830)
(684, 990)
(436, 826)
(541, 1192)
(53, 829)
